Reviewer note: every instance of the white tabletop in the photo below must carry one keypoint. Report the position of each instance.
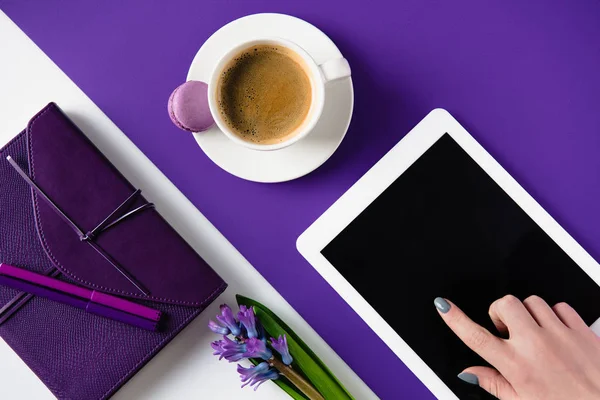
(186, 368)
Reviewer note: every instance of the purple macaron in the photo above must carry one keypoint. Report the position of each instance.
(188, 107)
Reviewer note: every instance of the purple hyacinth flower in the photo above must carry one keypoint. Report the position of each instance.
(229, 350)
(261, 331)
(256, 348)
(218, 347)
(216, 328)
(226, 319)
(256, 376)
(246, 317)
(248, 373)
(281, 346)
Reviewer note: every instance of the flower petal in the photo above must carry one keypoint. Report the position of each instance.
(257, 375)
(226, 319)
(247, 318)
(281, 346)
(217, 328)
(256, 348)
(228, 349)
(246, 374)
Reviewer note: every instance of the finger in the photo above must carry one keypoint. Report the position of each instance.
(512, 314)
(541, 312)
(489, 380)
(569, 317)
(500, 326)
(477, 338)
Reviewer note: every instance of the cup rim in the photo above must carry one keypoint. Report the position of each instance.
(317, 103)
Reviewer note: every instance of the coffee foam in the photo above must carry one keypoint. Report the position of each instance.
(264, 94)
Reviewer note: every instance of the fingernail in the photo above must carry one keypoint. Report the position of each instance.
(441, 305)
(469, 378)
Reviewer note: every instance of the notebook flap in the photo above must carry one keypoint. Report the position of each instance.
(88, 188)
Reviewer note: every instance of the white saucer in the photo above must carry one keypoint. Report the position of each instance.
(309, 153)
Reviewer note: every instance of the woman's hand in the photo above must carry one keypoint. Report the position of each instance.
(550, 353)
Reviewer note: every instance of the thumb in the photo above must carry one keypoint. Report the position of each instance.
(489, 380)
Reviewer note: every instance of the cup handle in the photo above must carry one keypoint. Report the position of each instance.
(335, 69)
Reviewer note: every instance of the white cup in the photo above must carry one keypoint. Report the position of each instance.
(319, 75)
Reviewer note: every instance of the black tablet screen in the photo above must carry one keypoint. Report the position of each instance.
(445, 228)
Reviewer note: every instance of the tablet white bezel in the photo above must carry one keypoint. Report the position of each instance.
(374, 182)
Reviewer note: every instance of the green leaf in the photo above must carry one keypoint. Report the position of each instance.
(305, 360)
(284, 384)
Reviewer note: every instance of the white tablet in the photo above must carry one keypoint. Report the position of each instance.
(438, 216)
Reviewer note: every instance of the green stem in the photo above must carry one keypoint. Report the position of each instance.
(298, 380)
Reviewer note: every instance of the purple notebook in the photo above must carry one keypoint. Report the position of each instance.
(79, 355)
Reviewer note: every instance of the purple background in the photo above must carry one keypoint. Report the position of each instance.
(522, 76)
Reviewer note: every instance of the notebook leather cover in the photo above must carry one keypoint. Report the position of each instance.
(76, 354)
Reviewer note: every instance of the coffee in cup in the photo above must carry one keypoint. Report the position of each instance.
(264, 94)
(269, 93)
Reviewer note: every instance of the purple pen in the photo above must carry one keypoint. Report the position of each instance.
(90, 300)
